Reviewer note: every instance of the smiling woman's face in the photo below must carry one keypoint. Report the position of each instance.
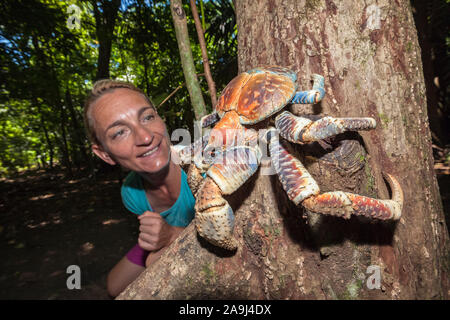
(132, 133)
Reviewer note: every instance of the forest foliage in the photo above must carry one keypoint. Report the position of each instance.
(50, 61)
(48, 67)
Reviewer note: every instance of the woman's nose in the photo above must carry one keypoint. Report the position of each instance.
(144, 136)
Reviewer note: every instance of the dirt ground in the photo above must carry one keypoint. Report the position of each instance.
(49, 222)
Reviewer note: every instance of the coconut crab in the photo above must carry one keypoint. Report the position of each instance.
(248, 99)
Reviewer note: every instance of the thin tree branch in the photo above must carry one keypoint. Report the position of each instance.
(170, 95)
(176, 89)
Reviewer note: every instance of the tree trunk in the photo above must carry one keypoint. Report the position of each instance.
(143, 48)
(187, 61)
(43, 126)
(370, 58)
(67, 162)
(105, 20)
(79, 152)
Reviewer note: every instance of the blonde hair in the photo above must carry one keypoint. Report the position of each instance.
(100, 88)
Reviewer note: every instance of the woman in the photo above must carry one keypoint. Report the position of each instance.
(125, 129)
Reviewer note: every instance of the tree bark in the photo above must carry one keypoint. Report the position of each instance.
(370, 58)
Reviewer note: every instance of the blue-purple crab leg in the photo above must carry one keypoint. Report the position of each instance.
(311, 96)
(209, 119)
(299, 129)
(214, 217)
(295, 179)
(302, 188)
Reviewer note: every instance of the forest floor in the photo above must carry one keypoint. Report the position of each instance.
(49, 222)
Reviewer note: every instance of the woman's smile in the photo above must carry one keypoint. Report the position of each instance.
(150, 152)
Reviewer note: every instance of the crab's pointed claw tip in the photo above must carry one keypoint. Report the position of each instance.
(397, 195)
(345, 204)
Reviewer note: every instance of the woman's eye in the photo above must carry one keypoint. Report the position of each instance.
(118, 133)
(149, 117)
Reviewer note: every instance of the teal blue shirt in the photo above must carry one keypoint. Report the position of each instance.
(135, 200)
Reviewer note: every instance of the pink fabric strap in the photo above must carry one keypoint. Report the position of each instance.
(137, 255)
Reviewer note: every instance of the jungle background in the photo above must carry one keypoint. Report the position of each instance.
(59, 205)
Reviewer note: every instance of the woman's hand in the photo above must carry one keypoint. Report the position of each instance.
(155, 232)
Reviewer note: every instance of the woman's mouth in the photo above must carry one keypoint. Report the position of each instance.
(150, 152)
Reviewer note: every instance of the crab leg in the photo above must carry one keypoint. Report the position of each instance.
(209, 119)
(301, 187)
(194, 178)
(345, 204)
(214, 217)
(189, 152)
(295, 179)
(193, 155)
(298, 129)
(311, 96)
(226, 131)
